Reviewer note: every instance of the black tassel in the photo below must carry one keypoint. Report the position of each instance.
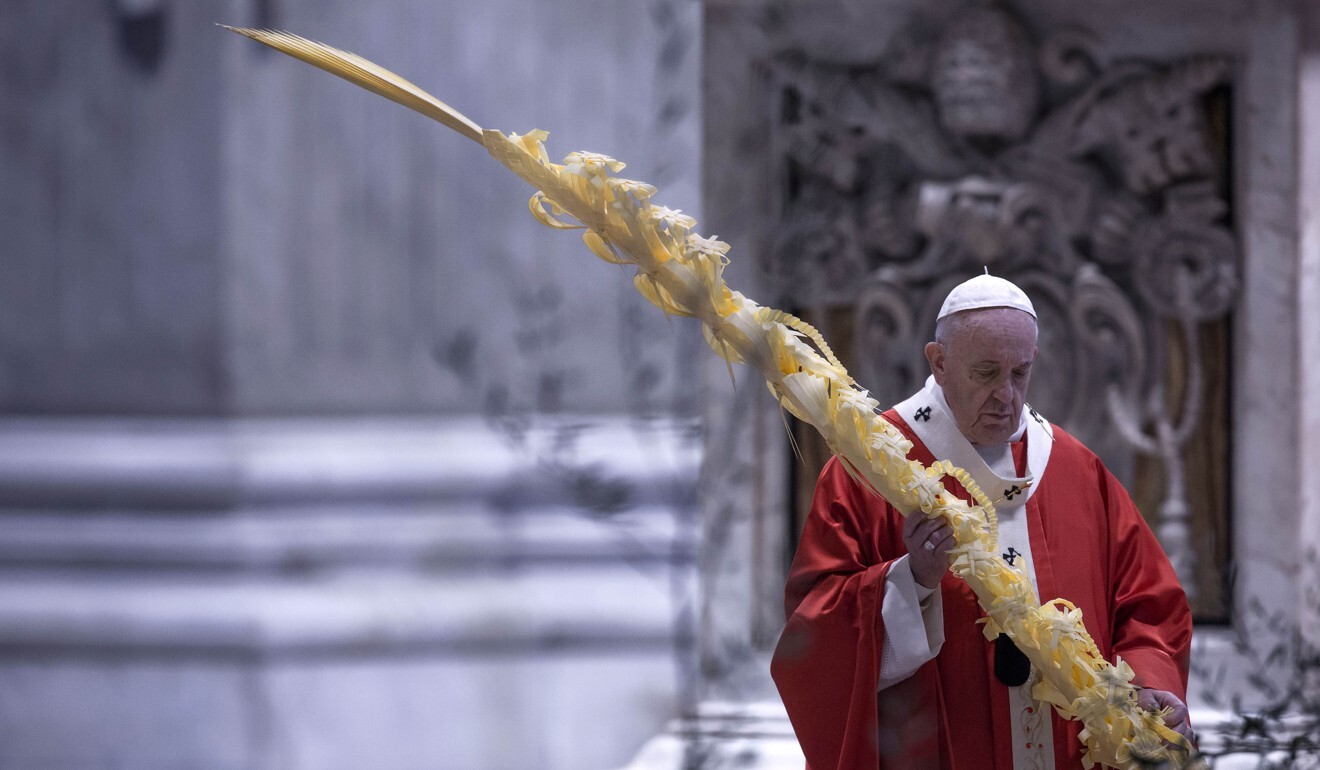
(1011, 666)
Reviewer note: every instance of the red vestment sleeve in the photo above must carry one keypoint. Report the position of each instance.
(827, 662)
(1150, 617)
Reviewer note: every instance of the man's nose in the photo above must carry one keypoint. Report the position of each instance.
(1004, 390)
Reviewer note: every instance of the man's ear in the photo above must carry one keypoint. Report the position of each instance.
(935, 355)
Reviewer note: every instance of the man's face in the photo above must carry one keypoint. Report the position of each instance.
(983, 363)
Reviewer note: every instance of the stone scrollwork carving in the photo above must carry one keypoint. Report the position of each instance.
(885, 324)
(1152, 124)
(1097, 185)
(1187, 262)
(1110, 338)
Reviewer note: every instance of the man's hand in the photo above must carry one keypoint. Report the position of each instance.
(1154, 700)
(928, 564)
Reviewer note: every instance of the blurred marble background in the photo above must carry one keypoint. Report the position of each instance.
(317, 451)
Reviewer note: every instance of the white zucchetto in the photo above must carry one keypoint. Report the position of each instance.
(985, 291)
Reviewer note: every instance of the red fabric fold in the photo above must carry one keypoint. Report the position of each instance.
(827, 662)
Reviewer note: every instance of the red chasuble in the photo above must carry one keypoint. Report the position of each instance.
(1091, 546)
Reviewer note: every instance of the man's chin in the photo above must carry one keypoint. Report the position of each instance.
(997, 432)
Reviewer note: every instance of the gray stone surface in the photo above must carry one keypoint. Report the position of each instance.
(548, 710)
(1308, 289)
(398, 713)
(72, 714)
(112, 214)
(753, 734)
(343, 594)
(222, 270)
(401, 271)
(239, 233)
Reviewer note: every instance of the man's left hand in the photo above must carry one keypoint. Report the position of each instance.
(1154, 700)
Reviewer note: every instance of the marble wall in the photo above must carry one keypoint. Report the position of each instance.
(316, 450)
(301, 593)
(1308, 288)
(399, 273)
(233, 232)
(112, 213)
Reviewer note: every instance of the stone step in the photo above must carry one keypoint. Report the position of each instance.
(219, 463)
(532, 609)
(379, 536)
(460, 535)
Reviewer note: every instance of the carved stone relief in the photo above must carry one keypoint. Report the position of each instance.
(1098, 186)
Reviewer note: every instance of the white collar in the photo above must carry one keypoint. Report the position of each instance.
(928, 414)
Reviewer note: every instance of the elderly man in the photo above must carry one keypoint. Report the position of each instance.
(882, 662)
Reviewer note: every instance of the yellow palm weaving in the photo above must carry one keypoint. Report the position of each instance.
(680, 272)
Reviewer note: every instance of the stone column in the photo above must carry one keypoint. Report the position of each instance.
(1308, 290)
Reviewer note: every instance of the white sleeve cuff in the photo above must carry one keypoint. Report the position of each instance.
(913, 617)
